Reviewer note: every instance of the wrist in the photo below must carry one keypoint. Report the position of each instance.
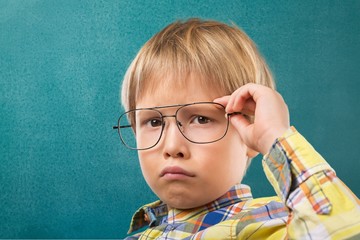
(270, 138)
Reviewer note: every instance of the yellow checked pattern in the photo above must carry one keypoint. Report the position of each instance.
(312, 203)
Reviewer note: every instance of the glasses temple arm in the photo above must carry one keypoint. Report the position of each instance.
(118, 127)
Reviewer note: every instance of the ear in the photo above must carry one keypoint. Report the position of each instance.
(251, 153)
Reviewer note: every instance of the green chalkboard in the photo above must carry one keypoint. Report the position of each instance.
(63, 170)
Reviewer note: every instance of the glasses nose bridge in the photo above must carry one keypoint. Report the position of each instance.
(178, 123)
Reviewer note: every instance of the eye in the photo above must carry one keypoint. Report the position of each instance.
(154, 122)
(201, 120)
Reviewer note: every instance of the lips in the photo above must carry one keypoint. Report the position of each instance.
(175, 172)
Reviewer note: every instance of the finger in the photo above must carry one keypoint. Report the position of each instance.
(249, 107)
(231, 102)
(222, 100)
(238, 101)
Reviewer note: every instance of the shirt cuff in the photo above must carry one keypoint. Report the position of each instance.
(291, 161)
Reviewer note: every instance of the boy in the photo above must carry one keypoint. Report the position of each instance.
(202, 104)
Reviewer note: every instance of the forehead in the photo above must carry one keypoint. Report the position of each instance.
(171, 89)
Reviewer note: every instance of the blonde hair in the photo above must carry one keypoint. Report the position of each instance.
(223, 56)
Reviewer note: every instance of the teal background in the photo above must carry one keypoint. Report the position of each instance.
(63, 170)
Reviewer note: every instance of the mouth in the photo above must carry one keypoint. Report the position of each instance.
(175, 173)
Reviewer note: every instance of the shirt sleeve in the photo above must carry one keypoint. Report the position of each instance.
(320, 205)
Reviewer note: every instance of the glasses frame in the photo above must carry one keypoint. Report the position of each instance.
(118, 127)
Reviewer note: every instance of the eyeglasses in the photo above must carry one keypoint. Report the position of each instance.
(199, 122)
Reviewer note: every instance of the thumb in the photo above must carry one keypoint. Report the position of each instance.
(241, 124)
(244, 128)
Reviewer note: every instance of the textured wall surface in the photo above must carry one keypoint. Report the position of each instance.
(63, 170)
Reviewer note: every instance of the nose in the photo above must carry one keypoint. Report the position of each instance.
(174, 144)
(179, 125)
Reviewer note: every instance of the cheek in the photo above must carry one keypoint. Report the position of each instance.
(233, 154)
(148, 169)
(223, 158)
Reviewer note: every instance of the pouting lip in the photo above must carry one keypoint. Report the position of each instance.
(175, 170)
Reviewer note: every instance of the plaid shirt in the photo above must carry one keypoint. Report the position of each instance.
(312, 203)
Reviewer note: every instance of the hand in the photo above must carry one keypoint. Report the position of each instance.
(270, 112)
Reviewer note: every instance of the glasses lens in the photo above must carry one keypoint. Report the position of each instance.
(203, 122)
(198, 122)
(147, 126)
(126, 132)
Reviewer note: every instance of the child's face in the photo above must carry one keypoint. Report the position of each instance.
(211, 169)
